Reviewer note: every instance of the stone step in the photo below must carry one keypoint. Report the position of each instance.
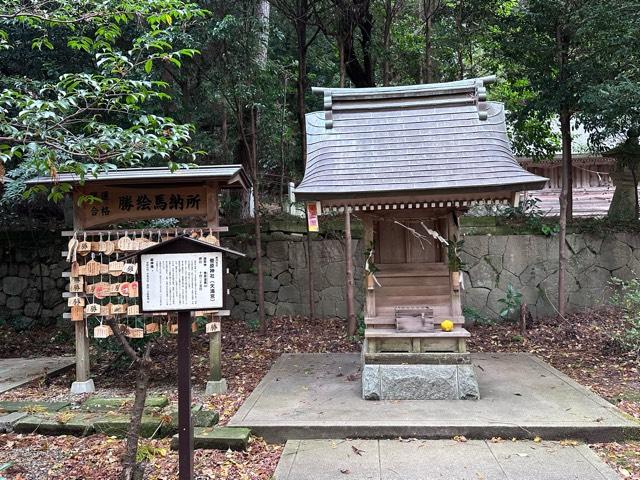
(103, 404)
(7, 421)
(63, 423)
(32, 406)
(118, 426)
(199, 417)
(218, 438)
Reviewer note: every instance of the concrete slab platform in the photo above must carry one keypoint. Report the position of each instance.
(438, 459)
(316, 396)
(18, 371)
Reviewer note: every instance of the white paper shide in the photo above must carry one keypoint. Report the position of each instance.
(181, 281)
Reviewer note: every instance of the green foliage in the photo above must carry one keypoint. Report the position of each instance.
(626, 296)
(454, 248)
(475, 317)
(99, 118)
(510, 303)
(529, 213)
(361, 325)
(147, 452)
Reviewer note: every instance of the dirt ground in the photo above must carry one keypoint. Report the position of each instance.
(580, 347)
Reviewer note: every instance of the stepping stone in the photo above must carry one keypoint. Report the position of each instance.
(76, 424)
(32, 406)
(102, 404)
(217, 438)
(118, 426)
(7, 421)
(199, 417)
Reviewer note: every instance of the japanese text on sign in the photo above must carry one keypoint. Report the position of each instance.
(181, 281)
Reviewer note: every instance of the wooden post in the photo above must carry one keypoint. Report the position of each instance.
(185, 427)
(456, 299)
(83, 382)
(215, 355)
(312, 313)
(351, 318)
(215, 338)
(369, 285)
(83, 371)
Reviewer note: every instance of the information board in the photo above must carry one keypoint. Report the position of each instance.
(181, 281)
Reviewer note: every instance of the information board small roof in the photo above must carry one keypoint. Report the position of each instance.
(233, 175)
(184, 244)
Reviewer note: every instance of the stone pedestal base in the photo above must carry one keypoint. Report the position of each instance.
(215, 387)
(78, 388)
(419, 382)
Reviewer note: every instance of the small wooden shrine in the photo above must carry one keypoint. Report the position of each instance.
(407, 161)
(103, 270)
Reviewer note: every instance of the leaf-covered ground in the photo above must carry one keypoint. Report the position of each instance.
(580, 347)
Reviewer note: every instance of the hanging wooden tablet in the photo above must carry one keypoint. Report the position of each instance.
(212, 327)
(113, 288)
(109, 247)
(82, 270)
(105, 310)
(101, 290)
(152, 327)
(77, 313)
(212, 239)
(134, 290)
(92, 268)
(102, 245)
(172, 326)
(133, 310)
(135, 332)
(130, 268)
(123, 289)
(118, 308)
(84, 248)
(102, 331)
(125, 244)
(95, 246)
(104, 269)
(115, 268)
(93, 309)
(75, 302)
(76, 284)
(89, 288)
(75, 269)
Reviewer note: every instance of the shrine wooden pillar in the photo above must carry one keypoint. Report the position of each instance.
(369, 284)
(348, 259)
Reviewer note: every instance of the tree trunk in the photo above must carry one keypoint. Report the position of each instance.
(460, 46)
(343, 70)
(565, 130)
(351, 318)
(256, 218)
(131, 469)
(301, 86)
(428, 59)
(386, 42)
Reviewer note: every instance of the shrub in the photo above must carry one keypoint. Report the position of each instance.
(626, 296)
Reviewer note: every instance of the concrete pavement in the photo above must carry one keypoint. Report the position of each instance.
(18, 371)
(439, 459)
(315, 396)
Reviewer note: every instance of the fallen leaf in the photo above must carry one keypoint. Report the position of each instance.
(460, 438)
(537, 439)
(356, 450)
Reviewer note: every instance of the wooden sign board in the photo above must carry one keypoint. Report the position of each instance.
(119, 204)
(181, 281)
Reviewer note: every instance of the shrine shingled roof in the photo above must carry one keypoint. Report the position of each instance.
(430, 139)
(233, 175)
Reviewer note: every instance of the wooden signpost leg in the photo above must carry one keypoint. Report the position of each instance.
(185, 427)
(83, 382)
(215, 384)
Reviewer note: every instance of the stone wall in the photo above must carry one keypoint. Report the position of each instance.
(31, 274)
(530, 264)
(31, 284)
(286, 276)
